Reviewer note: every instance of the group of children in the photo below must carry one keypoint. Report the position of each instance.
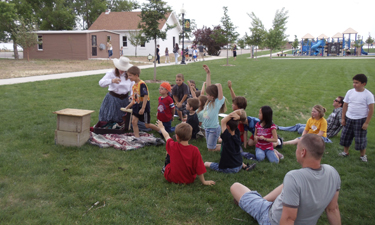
(198, 111)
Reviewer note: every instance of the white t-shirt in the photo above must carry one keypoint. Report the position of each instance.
(358, 103)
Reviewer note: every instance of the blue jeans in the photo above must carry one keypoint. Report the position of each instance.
(212, 134)
(253, 203)
(261, 155)
(298, 127)
(168, 126)
(215, 166)
(176, 57)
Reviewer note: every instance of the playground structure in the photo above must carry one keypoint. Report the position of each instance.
(337, 46)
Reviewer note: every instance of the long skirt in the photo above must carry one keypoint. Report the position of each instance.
(110, 109)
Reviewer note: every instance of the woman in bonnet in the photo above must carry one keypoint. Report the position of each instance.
(119, 91)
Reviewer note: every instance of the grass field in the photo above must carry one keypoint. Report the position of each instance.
(43, 183)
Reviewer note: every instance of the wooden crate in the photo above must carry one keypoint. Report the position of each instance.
(73, 126)
(67, 138)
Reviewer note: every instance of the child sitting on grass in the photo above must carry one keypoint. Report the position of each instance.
(166, 107)
(183, 161)
(192, 118)
(141, 101)
(231, 158)
(264, 135)
(180, 93)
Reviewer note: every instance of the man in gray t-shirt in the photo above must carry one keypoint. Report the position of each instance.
(304, 194)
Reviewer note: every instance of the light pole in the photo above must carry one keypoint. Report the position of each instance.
(183, 35)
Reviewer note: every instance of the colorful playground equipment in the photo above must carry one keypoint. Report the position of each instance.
(322, 46)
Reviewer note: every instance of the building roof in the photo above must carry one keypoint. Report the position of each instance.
(120, 21)
(308, 36)
(337, 35)
(350, 31)
(322, 36)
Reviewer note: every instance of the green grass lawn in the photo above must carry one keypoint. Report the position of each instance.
(43, 183)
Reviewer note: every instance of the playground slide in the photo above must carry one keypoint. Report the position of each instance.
(363, 52)
(314, 48)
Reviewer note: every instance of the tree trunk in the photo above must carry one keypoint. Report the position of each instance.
(256, 54)
(27, 52)
(155, 60)
(270, 53)
(227, 54)
(15, 50)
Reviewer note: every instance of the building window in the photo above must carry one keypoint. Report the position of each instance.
(125, 41)
(143, 44)
(40, 42)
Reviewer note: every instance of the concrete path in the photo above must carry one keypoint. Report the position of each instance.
(79, 74)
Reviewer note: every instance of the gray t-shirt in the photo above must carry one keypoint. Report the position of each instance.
(308, 190)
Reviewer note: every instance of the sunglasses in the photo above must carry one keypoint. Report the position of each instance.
(337, 100)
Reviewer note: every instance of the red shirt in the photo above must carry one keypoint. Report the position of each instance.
(165, 109)
(267, 133)
(186, 163)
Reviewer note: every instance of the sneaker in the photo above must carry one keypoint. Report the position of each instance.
(364, 158)
(344, 154)
(163, 170)
(281, 156)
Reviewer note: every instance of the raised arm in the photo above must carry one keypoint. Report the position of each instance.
(192, 90)
(203, 88)
(208, 76)
(235, 115)
(232, 94)
(220, 91)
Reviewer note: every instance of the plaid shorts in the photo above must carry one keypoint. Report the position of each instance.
(353, 129)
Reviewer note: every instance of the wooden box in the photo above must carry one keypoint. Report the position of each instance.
(67, 138)
(73, 126)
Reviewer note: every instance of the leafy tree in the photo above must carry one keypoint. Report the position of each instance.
(25, 36)
(241, 43)
(295, 43)
(55, 15)
(8, 16)
(136, 38)
(369, 41)
(90, 10)
(258, 32)
(276, 37)
(358, 44)
(152, 13)
(227, 34)
(122, 5)
(203, 36)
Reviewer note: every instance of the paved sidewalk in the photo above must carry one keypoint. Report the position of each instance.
(79, 74)
(94, 72)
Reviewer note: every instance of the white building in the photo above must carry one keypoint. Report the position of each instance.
(125, 22)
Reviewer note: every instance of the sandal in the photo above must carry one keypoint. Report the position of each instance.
(249, 167)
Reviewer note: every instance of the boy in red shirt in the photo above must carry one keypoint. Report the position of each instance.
(184, 161)
(166, 107)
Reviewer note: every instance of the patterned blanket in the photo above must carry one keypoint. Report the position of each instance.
(125, 141)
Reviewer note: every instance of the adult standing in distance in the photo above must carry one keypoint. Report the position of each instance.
(304, 194)
(201, 51)
(175, 51)
(234, 52)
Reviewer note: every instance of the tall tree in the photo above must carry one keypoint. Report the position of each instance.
(136, 38)
(369, 41)
(25, 36)
(241, 43)
(276, 37)
(228, 33)
(295, 43)
(55, 14)
(8, 17)
(203, 36)
(151, 15)
(89, 10)
(122, 5)
(258, 32)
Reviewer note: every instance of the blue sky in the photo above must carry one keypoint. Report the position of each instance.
(314, 17)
